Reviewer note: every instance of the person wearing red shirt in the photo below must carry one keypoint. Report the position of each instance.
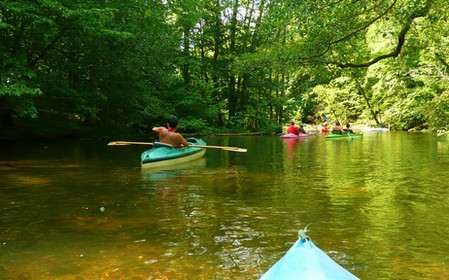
(325, 128)
(293, 129)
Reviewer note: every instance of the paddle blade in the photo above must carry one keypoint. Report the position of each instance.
(124, 143)
(224, 148)
(118, 143)
(235, 149)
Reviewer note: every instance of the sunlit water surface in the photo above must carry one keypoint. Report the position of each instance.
(81, 210)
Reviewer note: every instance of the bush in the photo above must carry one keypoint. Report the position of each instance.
(191, 125)
(438, 111)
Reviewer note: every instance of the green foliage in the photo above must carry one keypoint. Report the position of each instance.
(17, 89)
(438, 111)
(245, 64)
(339, 99)
(193, 125)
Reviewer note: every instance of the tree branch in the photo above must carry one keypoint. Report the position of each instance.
(354, 32)
(50, 46)
(363, 27)
(400, 42)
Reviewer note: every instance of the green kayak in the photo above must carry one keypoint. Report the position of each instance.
(344, 135)
(162, 155)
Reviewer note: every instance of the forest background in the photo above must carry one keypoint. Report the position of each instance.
(84, 68)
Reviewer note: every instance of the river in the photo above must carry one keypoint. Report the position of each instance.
(378, 205)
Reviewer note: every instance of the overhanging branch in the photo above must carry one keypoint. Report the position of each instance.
(400, 43)
(354, 32)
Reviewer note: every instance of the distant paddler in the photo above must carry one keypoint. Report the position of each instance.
(294, 132)
(168, 135)
(325, 128)
(348, 128)
(301, 129)
(337, 129)
(293, 129)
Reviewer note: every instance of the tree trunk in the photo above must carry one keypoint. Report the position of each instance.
(217, 43)
(251, 46)
(232, 95)
(186, 52)
(203, 57)
(373, 113)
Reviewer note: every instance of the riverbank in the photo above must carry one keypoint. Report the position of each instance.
(57, 131)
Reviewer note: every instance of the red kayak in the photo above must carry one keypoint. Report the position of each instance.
(291, 135)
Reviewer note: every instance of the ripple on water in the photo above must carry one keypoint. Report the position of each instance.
(384, 196)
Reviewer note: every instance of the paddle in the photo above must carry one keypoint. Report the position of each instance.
(225, 148)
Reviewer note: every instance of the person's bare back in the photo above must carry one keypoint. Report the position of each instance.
(169, 135)
(172, 138)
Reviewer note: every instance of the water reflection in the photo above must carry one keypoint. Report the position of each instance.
(292, 145)
(167, 172)
(94, 214)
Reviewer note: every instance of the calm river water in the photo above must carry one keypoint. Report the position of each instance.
(81, 210)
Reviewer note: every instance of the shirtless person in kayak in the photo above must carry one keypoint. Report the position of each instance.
(337, 129)
(169, 135)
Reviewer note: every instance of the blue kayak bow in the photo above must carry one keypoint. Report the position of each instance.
(305, 261)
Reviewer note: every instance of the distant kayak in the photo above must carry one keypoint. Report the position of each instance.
(162, 155)
(343, 135)
(375, 129)
(291, 135)
(305, 261)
